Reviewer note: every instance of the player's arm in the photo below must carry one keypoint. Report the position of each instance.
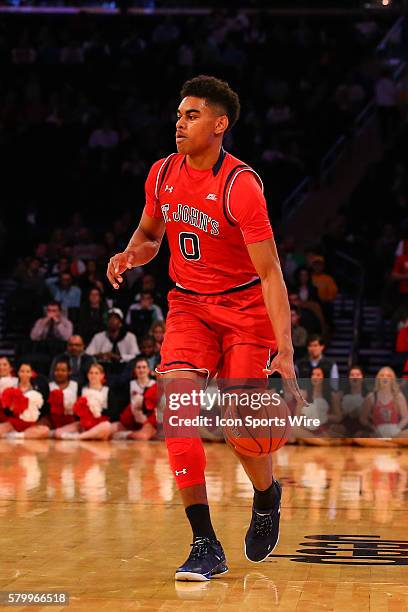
(265, 258)
(142, 248)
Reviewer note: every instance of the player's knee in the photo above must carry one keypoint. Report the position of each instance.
(187, 461)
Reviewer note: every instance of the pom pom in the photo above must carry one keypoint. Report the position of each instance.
(14, 399)
(35, 402)
(56, 401)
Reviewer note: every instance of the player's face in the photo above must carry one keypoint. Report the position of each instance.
(197, 125)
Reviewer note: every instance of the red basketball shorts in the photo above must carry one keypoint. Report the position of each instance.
(229, 335)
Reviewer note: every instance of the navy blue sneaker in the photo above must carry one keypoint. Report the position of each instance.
(206, 560)
(263, 533)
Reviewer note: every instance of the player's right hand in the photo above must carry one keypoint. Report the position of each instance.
(118, 264)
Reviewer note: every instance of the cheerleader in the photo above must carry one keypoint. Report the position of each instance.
(157, 332)
(63, 395)
(324, 405)
(93, 409)
(385, 411)
(22, 405)
(7, 379)
(138, 419)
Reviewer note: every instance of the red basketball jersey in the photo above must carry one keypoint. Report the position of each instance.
(210, 215)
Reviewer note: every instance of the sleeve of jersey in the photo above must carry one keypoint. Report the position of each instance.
(152, 206)
(248, 207)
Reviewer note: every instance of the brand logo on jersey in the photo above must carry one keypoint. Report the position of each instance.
(169, 188)
(211, 196)
(183, 471)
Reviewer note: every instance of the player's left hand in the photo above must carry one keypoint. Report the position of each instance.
(283, 363)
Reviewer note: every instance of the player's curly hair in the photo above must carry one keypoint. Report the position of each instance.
(216, 92)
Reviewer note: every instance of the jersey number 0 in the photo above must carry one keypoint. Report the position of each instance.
(189, 245)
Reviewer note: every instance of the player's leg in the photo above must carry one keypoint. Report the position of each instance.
(243, 364)
(187, 462)
(190, 352)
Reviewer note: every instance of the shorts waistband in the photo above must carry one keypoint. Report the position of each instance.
(252, 283)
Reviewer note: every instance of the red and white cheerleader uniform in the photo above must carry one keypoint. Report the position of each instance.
(149, 395)
(6, 382)
(22, 409)
(61, 403)
(92, 406)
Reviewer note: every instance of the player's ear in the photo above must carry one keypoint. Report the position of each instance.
(221, 124)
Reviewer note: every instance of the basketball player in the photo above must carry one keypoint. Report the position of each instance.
(229, 308)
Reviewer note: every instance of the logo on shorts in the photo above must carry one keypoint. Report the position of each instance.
(183, 471)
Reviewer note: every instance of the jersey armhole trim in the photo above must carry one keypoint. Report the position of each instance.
(161, 175)
(228, 185)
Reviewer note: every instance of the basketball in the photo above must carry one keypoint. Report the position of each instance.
(257, 432)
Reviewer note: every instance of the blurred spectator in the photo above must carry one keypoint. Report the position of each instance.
(304, 287)
(115, 344)
(157, 331)
(291, 259)
(149, 283)
(73, 230)
(141, 315)
(323, 404)
(326, 286)
(299, 334)
(325, 283)
(104, 137)
(30, 276)
(91, 277)
(317, 359)
(311, 316)
(64, 292)
(85, 248)
(149, 352)
(61, 266)
(53, 327)
(79, 361)
(385, 411)
(26, 301)
(352, 401)
(92, 315)
(400, 274)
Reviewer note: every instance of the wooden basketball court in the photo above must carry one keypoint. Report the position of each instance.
(104, 522)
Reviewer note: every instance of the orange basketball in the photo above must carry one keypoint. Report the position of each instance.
(257, 433)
